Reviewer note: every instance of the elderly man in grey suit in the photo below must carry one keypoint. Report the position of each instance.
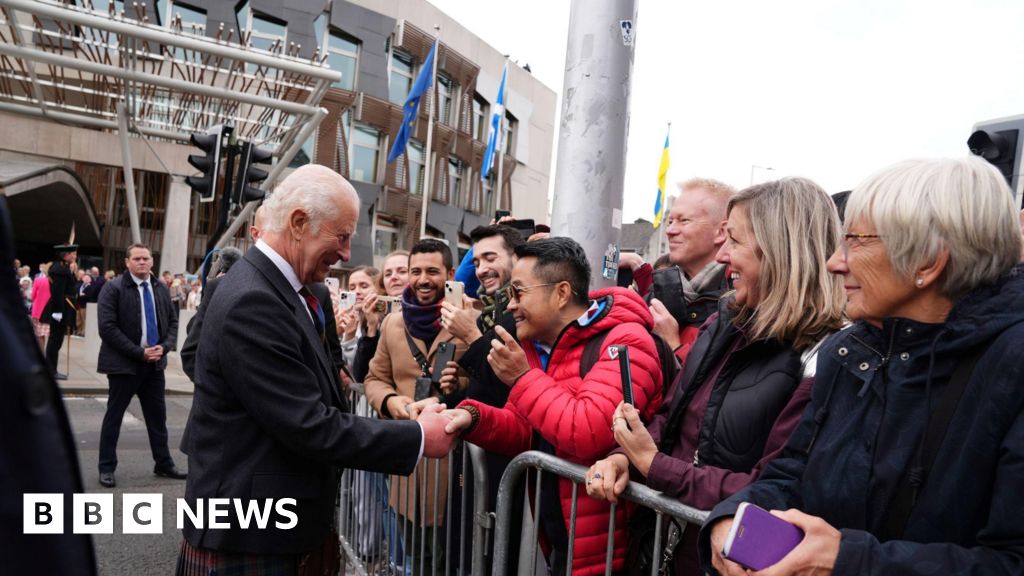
(268, 420)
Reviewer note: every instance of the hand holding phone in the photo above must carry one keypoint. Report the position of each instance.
(346, 300)
(453, 293)
(622, 352)
(757, 539)
(445, 354)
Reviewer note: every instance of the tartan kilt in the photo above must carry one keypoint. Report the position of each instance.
(198, 562)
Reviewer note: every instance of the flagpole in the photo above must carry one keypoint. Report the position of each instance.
(661, 224)
(427, 184)
(500, 141)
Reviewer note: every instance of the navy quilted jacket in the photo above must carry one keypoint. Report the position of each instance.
(871, 395)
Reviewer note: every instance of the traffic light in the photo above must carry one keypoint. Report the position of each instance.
(208, 163)
(1000, 141)
(248, 174)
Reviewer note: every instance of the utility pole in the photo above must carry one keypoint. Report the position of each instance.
(591, 169)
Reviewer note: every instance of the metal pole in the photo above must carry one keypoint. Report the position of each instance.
(427, 187)
(129, 174)
(590, 173)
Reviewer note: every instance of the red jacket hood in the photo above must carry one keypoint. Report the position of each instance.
(622, 305)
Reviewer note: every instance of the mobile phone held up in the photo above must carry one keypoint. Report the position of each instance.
(346, 300)
(445, 354)
(757, 539)
(621, 351)
(453, 293)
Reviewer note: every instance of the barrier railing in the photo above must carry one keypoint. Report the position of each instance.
(401, 525)
(543, 462)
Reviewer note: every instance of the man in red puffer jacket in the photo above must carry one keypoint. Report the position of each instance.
(550, 407)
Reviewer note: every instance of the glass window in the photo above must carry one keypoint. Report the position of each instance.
(305, 154)
(365, 152)
(417, 166)
(445, 93)
(511, 125)
(264, 33)
(455, 181)
(385, 240)
(401, 77)
(343, 56)
(479, 118)
(487, 193)
(192, 20)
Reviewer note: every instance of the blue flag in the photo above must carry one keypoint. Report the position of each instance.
(412, 105)
(497, 111)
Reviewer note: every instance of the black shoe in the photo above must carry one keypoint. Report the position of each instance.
(59, 376)
(171, 472)
(107, 479)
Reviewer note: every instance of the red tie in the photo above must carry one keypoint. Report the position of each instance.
(315, 311)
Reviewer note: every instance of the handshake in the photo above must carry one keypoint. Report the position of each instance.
(441, 426)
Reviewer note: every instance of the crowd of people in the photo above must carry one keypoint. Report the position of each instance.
(850, 363)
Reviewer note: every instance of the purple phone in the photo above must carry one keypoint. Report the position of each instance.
(757, 539)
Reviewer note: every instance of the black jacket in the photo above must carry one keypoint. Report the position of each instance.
(268, 419)
(119, 312)
(62, 291)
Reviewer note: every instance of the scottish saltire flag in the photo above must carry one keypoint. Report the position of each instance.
(497, 111)
(412, 105)
(659, 202)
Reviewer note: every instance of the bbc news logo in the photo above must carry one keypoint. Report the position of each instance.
(144, 513)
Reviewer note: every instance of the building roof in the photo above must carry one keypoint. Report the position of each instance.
(636, 236)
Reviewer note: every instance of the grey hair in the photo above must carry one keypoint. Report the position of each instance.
(921, 206)
(226, 258)
(312, 188)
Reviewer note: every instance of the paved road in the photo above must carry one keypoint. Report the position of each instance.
(132, 554)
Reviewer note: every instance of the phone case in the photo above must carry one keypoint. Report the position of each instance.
(758, 540)
(453, 293)
(622, 351)
(445, 353)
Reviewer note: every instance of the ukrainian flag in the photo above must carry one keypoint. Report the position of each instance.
(659, 202)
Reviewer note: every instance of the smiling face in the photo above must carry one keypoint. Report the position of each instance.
(318, 251)
(873, 290)
(692, 230)
(396, 274)
(536, 310)
(360, 283)
(742, 255)
(427, 276)
(493, 263)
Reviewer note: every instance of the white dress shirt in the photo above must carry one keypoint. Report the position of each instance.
(144, 342)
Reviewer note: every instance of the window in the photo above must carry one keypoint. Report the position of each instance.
(305, 154)
(401, 77)
(479, 118)
(343, 55)
(264, 33)
(365, 152)
(193, 20)
(487, 194)
(509, 135)
(385, 240)
(445, 92)
(455, 170)
(417, 166)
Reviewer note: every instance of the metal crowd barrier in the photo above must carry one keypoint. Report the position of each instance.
(377, 538)
(544, 462)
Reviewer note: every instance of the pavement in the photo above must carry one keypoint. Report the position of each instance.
(83, 380)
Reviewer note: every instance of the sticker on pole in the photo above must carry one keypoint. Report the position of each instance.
(626, 26)
(610, 268)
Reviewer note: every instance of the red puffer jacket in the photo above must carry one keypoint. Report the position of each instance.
(575, 415)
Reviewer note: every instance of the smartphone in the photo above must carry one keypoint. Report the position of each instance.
(622, 352)
(757, 539)
(668, 288)
(346, 300)
(387, 304)
(526, 228)
(445, 354)
(499, 214)
(453, 293)
(333, 284)
(424, 388)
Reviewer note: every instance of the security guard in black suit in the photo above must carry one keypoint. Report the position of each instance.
(60, 310)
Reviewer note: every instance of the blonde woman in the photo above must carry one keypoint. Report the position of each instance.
(748, 377)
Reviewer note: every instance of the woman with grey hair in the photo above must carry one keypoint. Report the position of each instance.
(910, 458)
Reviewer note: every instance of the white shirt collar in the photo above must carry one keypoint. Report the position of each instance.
(138, 281)
(281, 264)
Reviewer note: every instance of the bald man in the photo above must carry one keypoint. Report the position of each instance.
(267, 420)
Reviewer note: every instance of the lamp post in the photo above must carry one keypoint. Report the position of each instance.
(765, 168)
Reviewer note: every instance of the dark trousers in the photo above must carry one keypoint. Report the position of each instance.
(148, 385)
(57, 335)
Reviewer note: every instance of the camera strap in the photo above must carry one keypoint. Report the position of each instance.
(417, 354)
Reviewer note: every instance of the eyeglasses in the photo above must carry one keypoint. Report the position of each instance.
(858, 240)
(515, 292)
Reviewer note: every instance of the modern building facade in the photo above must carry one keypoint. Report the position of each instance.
(61, 157)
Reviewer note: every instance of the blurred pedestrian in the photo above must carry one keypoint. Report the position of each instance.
(60, 308)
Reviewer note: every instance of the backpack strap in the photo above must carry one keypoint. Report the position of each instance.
(592, 352)
(935, 432)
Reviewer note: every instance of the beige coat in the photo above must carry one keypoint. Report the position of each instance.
(393, 370)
